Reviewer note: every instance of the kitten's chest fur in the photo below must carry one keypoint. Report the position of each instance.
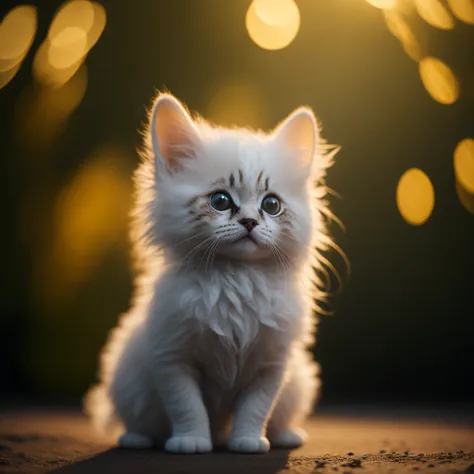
(244, 316)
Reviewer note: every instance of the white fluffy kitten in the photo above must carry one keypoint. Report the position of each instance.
(214, 349)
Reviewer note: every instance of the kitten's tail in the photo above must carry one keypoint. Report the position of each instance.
(98, 407)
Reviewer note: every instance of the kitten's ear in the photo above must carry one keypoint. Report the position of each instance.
(175, 137)
(299, 133)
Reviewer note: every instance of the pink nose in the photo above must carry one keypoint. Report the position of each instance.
(249, 224)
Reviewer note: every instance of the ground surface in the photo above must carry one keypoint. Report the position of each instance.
(356, 442)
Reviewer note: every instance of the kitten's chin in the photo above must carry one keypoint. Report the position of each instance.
(245, 249)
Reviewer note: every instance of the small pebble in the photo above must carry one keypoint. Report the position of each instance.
(350, 453)
(382, 451)
(431, 465)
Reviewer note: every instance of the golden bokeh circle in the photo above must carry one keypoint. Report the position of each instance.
(415, 196)
(439, 81)
(269, 36)
(464, 164)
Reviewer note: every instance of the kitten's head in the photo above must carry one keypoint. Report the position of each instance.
(233, 193)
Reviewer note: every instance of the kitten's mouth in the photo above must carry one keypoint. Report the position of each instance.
(247, 237)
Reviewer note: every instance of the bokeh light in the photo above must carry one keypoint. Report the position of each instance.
(238, 104)
(90, 216)
(398, 26)
(43, 112)
(415, 196)
(382, 3)
(435, 13)
(265, 25)
(439, 80)
(75, 29)
(17, 32)
(463, 10)
(8, 75)
(68, 47)
(465, 198)
(464, 164)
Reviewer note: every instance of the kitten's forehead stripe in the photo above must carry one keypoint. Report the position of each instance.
(231, 180)
(218, 182)
(241, 176)
(259, 177)
(266, 185)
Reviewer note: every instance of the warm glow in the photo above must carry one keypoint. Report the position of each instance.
(90, 216)
(78, 13)
(47, 75)
(382, 3)
(435, 13)
(275, 12)
(67, 48)
(7, 76)
(100, 19)
(415, 196)
(399, 28)
(17, 31)
(463, 10)
(271, 35)
(439, 80)
(43, 112)
(464, 164)
(466, 199)
(75, 29)
(237, 104)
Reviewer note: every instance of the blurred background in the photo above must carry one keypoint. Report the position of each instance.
(392, 82)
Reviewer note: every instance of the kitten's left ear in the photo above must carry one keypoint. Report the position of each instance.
(175, 137)
(299, 133)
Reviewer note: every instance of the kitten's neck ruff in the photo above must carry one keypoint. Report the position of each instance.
(281, 265)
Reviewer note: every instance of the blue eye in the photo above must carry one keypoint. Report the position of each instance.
(221, 201)
(271, 205)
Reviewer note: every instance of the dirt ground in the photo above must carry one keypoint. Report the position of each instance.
(61, 441)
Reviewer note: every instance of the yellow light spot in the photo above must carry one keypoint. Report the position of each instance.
(463, 10)
(100, 19)
(466, 199)
(275, 12)
(435, 14)
(49, 76)
(464, 164)
(43, 112)
(67, 48)
(415, 196)
(271, 36)
(90, 216)
(7, 76)
(439, 80)
(17, 32)
(384, 4)
(399, 28)
(78, 13)
(237, 104)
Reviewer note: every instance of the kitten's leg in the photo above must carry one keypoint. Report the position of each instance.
(294, 404)
(181, 397)
(252, 410)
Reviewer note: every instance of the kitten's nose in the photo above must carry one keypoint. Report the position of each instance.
(248, 223)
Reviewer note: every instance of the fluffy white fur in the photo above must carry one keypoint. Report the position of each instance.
(214, 349)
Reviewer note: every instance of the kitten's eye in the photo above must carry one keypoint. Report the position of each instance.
(271, 205)
(221, 201)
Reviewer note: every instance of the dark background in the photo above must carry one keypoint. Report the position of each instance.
(404, 321)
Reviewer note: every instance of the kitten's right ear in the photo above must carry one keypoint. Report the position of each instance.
(175, 137)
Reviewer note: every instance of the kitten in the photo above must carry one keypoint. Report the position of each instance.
(214, 349)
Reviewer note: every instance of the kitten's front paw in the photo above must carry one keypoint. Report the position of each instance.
(135, 441)
(249, 445)
(188, 445)
(290, 439)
